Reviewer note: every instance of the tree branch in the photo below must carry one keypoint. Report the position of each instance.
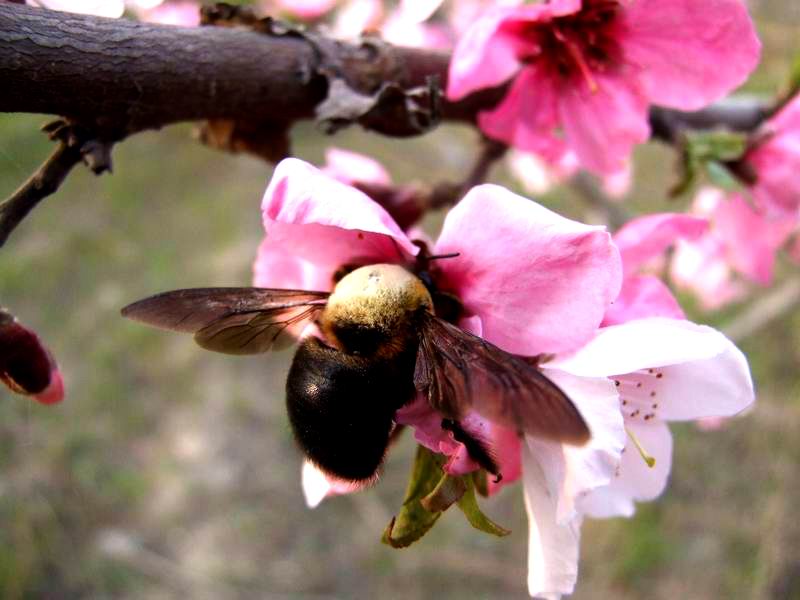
(40, 185)
(120, 76)
(115, 77)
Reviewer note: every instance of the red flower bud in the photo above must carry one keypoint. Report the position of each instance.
(26, 366)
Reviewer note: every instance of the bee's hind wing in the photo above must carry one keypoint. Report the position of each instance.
(460, 371)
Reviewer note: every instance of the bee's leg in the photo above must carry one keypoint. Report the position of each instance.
(477, 449)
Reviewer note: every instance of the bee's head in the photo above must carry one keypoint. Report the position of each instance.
(372, 309)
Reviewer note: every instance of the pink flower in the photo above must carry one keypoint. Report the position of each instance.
(183, 13)
(351, 167)
(306, 9)
(522, 273)
(591, 68)
(776, 162)
(26, 366)
(665, 370)
(101, 8)
(740, 242)
(641, 242)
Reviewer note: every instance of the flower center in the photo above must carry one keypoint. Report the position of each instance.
(639, 393)
(578, 45)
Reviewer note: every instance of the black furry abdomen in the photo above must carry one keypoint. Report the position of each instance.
(341, 406)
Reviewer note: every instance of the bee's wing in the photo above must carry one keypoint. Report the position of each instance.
(461, 371)
(230, 320)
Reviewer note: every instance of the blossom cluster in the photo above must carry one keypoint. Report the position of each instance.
(532, 283)
(576, 82)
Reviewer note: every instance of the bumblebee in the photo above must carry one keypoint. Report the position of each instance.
(381, 344)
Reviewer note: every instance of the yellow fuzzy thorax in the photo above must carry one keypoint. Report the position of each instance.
(379, 296)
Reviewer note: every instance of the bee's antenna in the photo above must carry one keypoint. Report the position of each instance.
(438, 256)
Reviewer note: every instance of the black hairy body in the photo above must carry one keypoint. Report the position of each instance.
(341, 406)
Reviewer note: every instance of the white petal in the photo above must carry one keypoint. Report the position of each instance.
(717, 387)
(572, 471)
(635, 481)
(642, 344)
(552, 548)
(315, 485)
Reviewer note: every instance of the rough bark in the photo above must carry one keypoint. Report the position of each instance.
(122, 76)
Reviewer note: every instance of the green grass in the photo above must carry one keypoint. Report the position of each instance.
(171, 472)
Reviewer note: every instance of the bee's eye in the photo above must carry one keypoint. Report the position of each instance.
(358, 339)
(343, 271)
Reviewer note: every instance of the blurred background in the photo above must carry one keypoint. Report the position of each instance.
(171, 472)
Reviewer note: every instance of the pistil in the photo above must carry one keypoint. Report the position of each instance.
(648, 459)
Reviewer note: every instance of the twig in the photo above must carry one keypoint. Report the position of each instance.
(449, 193)
(586, 187)
(764, 310)
(45, 181)
(491, 152)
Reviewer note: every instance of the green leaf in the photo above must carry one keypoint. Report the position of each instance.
(448, 491)
(708, 152)
(469, 506)
(794, 75)
(413, 521)
(721, 146)
(479, 478)
(687, 168)
(721, 176)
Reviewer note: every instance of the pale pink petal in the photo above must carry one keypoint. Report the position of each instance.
(618, 184)
(306, 9)
(552, 547)
(485, 56)
(711, 423)
(645, 238)
(326, 223)
(317, 485)
(538, 282)
(182, 14)
(536, 175)
(777, 187)
(689, 55)
(777, 161)
(667, 369)
(720, 386)
(642, 296)
(419, 10)
(405, 32)
(274, 267)
(356, 17)
(751, 239)
(603, 125)
(573, 471)
(527, 116)
(101, 8)
(643, 344)
(702, 267)
(635, 480)
(351, 167)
